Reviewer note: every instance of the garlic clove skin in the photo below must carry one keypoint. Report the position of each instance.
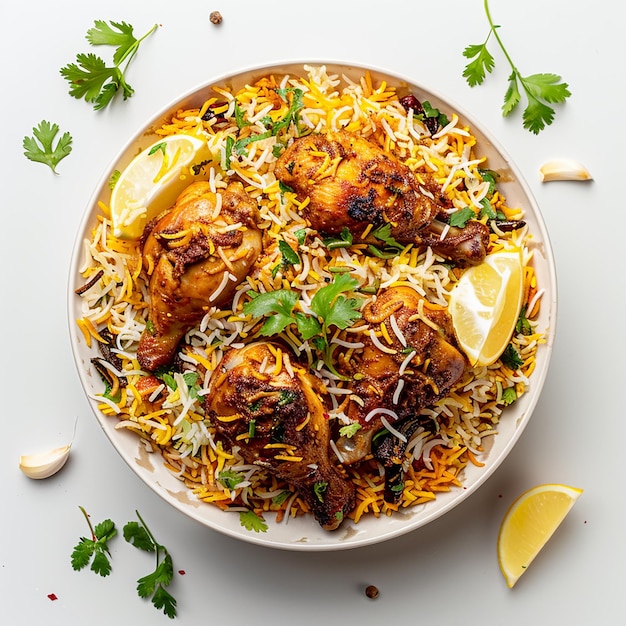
(563, 169)
(44, 464)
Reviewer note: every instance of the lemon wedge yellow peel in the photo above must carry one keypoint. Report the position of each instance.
(529, 523)
(485, 305)
(152, 181)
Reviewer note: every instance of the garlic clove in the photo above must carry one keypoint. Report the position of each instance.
(563, 169)
(44, 464)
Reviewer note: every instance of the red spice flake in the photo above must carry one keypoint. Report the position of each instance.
(52, 596)
(182, 572)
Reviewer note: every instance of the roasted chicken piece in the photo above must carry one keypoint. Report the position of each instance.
(418, 368)
(195, 255)
(351, 182)
(271, 407)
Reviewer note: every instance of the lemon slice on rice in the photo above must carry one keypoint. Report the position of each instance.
(152, 181)
(485, 305)
(528, 525)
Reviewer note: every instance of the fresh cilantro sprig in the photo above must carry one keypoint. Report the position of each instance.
(330, 307)
(391, 247)
(91, 78)
(251, 521)
(94, 550)
(40, 148)
(153, 585)
(541, 90)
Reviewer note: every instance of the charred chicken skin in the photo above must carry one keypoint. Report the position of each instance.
(351, 182)
(195, 255)
(421, 362)
(271, 407)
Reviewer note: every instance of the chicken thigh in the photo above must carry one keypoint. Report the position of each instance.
(195, 256)
(418, 368)
(351, 182)
(271, 407)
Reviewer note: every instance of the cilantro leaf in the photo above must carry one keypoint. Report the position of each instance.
(349, 430)
(230, 478)
(90, 78)
(482, 63)
(461, 217)
(509, 395)
(278, 305)
(308, 326)
(487, 209)
(541, 89)
(154, 584)
(96, 549)
(281, 497)
(44, 151)
(251, 521)
(512, 96)
(118, 34)
(391, 247)
(523, 325)
(332, 306)
(319, 489)
(511, 358)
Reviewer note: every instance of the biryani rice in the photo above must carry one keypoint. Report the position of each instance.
(169, 416)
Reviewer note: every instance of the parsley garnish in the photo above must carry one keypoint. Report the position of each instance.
(251, 521)
(286, 396)
(523, 325)
(391, 248)
(319, 489)
(277, 306)
(230, 478)
(162, 146)
(349, 430)
(329, 305)
(289, 257)
(189, 378)
(541, 89)
(430, 111)
(153, 585)
(330, 309)
(44, 151)
(112, 182)
(281, 497)
(511, 358)
(486, 209)
(509, 395)
(461, 217)
(90, 78)
(96, 549)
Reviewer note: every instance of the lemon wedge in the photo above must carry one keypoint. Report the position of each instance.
(152, 181)
(485, 305)
(529, 523)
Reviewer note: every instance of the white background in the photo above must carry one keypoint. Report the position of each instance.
(444, 573)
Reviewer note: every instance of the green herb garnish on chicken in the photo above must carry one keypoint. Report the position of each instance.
(41, 149)
(90, 77)
(541, 90)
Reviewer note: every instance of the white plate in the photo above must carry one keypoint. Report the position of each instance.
(304, 533)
